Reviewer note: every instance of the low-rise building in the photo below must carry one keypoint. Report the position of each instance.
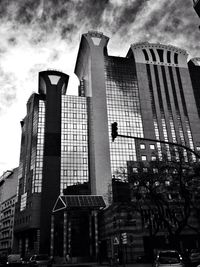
(8, 189)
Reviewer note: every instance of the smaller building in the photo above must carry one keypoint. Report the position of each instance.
(8, 189)
(75, 218)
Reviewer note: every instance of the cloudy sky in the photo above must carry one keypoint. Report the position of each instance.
(36, 35)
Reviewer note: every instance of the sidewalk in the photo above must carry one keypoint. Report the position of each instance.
(94, 264)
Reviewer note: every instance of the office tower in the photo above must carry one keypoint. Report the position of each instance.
(8, 191)
(66, 140)
(197, 7)
(149, 93)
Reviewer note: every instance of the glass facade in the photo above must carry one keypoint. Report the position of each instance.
(74, 141)
(171, 88)
(123, 107)
(37, 158)
(74, 145)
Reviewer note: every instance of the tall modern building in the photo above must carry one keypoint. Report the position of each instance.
(66, 140)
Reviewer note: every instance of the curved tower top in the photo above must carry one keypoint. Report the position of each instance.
(52, 77)
(159, 54)
(91, 42)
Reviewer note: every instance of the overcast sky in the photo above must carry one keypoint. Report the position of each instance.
(36, 35)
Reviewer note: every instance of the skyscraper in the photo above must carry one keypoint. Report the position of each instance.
(149, 93)
(67, 140)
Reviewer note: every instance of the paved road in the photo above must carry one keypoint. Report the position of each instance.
(104, 265)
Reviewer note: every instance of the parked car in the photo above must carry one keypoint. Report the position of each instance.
(166, 258)
(194, 257)
(40, 260)
(14, 260)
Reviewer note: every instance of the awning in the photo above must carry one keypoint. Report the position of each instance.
(70, 202)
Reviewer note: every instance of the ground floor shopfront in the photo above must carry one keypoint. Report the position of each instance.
(75, 228)
(83, 229)
(126, 237)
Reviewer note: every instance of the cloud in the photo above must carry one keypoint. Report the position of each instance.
(42, 34)
(8, 90)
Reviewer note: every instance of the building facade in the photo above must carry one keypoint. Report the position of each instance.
(148, 93)
(8, 191)
(66, 140)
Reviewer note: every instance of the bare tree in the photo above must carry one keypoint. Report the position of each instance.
(166, 193)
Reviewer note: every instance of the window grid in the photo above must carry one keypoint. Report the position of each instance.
(123, 106)
(74, 141)
(37, 170)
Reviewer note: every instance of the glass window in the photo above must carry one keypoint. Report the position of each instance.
(125, 103)
(153, 158)
(135, 170)
(131, 157)
(130, 146)
(142, 146)
(74, 136)
(84, 172)
(152, 146)
(143, 158)
(65, 136)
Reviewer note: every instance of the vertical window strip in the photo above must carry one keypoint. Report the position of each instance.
(176, 106)
(163, 121)
(155, 120)
(188, 129)
(171, 121)
(153, 54)
(37, 171)
(145, 54)
(168, 56)
(73, 141)
(121, 83)
(181, 91)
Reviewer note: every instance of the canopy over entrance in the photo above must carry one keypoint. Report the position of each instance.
(69, 202)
